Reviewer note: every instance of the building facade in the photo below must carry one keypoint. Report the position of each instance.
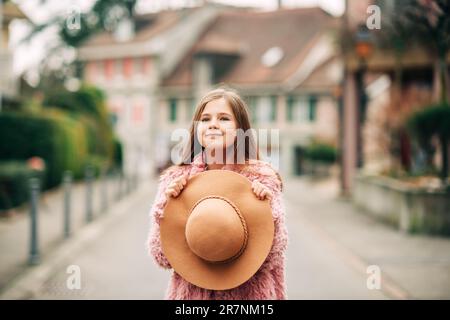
(283, 63)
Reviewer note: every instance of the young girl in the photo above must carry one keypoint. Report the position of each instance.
(216, 121)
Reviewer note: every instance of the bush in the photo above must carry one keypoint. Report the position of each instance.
(99, 164)
(433, 120)
(74, 142)
(14, 183)
(57, 139)
(71, 131)
(24, 136)
(118, 154)
(88, 106)
(321, 152)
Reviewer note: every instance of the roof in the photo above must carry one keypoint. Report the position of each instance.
(147, 26)
(248, 35)
(326, 75)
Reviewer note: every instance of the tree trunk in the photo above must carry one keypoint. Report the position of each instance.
(405, 150)
(444, 150)
(443, 77)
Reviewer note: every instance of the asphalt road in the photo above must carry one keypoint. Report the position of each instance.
(116, 266)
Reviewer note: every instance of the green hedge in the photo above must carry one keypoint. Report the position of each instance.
(14, 183)
(433, 119)
(98, 164)
(118, 154)
(74, 142)
(321, 152)
(87, 105)
(57, 139)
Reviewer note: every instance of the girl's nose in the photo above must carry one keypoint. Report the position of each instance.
(213, 123)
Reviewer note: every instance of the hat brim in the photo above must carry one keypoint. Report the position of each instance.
(257, 214)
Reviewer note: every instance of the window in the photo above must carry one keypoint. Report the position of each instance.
(264, 110)
(290, 106)
(172, 110)
(91, 71)
(190, 104)
(146, 65)
(312, 108)
(273, 108)
(118, 66)
(298, 109)
(128, 68)
(252, 105)
(138, 113)
(109, 69)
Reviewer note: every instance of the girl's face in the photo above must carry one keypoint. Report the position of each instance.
(217, 125)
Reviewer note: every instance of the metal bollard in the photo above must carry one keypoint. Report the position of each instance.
(104, 193)
(136, 181)
(119, 188)
(34, 257)
(89, 173)
(67, 181)
(128, 185)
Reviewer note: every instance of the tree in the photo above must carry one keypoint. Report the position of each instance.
(77, 27)
(431, 21)
(425, 23)
(432, 18)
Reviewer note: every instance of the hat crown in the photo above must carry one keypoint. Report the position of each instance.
(215, 230)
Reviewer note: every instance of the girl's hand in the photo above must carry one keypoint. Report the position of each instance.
(261, 191)
(176, 186)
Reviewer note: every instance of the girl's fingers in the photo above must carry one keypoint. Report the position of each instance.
(169, 192)
(183, 179)
(176, 187)
(267, 194)
(260, 192)
(257, 189)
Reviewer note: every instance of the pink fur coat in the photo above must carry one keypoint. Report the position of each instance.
(269, 281)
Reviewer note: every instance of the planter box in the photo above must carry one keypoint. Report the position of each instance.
(409, 209)
(317, 168)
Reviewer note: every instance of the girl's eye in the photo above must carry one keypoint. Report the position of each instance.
(224, 118)
(204, 119)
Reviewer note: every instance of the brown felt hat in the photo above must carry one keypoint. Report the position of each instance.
(216, 234)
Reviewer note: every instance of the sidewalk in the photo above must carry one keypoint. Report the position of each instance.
(412, 266)
(15, 230)
(110, 254)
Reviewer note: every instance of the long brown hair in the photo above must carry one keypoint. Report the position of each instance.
(241, 114)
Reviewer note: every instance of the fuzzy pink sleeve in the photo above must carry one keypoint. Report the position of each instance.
(276, 256)
(156, 213)
(275, 262)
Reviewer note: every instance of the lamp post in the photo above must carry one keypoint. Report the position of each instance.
(363, 50)
(1, 44)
